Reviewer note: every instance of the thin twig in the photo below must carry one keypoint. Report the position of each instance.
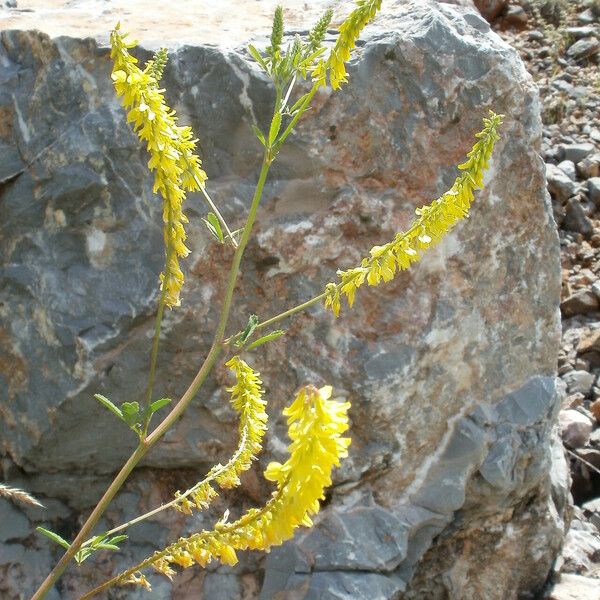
(585, 462)
(209, 478)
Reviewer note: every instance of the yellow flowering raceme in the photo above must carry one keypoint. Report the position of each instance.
(246, 399)
(349, 31)
(432, 223)
(171, 147)
(316, 424)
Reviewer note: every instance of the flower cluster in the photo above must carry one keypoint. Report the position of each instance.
(349, 31)
(171, 147)
(246, 399)
(430, 226)
(316, 425)
(156, 66)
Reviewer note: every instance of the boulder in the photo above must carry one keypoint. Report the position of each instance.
(576, 218)
(568, 168)
(593, 188)
(589, 167)
(450, 368)
(578, 151)
(583, 48)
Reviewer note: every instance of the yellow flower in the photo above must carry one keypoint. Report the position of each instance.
(349, 31)
(246, 399)
(432, 223)
(171, 147)
(315, 426)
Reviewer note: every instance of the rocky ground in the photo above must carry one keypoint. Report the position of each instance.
(560, 44)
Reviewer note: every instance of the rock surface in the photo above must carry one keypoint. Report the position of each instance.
(450, 369)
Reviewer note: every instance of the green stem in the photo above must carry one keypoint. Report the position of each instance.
(205, 369)
(212, 476)
(237, 259)
(159, 314)
(294, 119)
(89, 524)
(155, 342)
(291, 311)
(133, 460)
(229, 527)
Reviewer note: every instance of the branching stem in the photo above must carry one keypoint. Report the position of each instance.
(209, 362)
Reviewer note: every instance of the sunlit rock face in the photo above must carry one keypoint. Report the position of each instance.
(450, 368)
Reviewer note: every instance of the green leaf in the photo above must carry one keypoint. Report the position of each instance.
(216, 233)
(108, 404)
(214, 221)
(95, 540)
(257, 57)
(157, 405)
(83, 554)
(131, 413)
(106, 546)
(54, 537)
(266, 338)
(250, 327)
(118, 539)
(298, 104)
(259, 134)
(275, 127)
(98, 542)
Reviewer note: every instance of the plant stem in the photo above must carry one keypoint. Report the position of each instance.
(159, 317)
(291, 311)
(155, 342)
(244, 520)
(280, 316)
(89, 524)
(235, 267)
(205, 369)
(209, 478)
(133, 460)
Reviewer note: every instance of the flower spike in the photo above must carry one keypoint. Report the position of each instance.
(246, 399)
(315, 426)
(171, 147)
(431, 225)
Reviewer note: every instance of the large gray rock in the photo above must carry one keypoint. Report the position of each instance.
(449, 368)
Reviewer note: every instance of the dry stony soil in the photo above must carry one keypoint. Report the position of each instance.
(560, 45)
